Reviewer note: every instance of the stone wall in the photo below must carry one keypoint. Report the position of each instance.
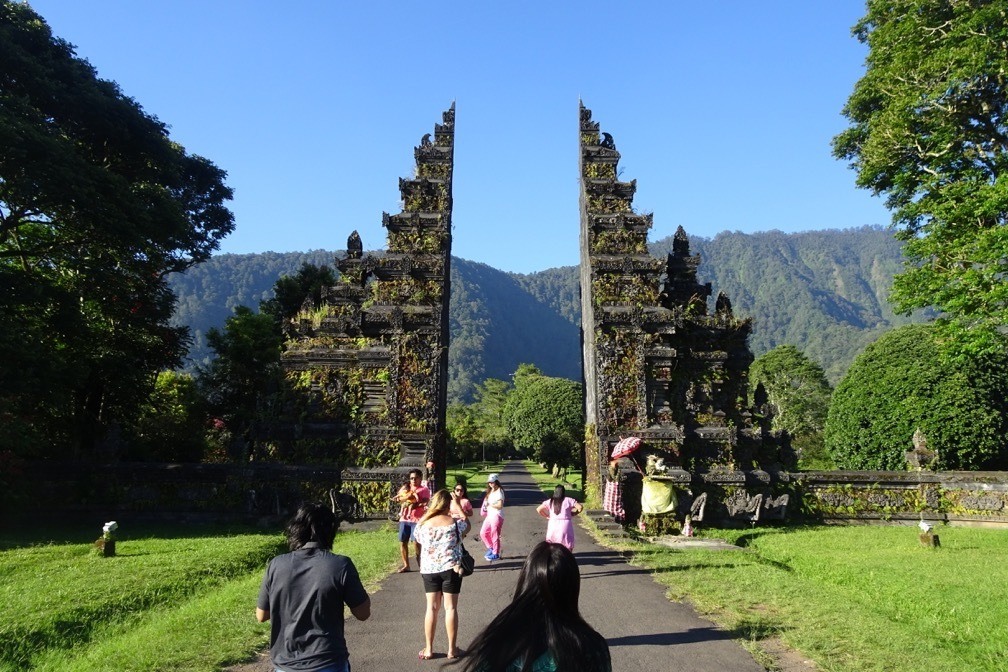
(961, 497)
(175, 492)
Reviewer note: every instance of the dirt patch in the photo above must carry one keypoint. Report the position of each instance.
(785, 659)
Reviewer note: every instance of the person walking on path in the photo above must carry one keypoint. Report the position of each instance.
(493, 517)
(645, 629)
(303, 593)
(560, 511)
(440, 535)
(414, 497)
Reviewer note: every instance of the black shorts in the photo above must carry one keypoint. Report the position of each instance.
(448, 581)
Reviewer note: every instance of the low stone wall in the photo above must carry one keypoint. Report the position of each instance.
(736, 497)
(958, 497)
(180, 492)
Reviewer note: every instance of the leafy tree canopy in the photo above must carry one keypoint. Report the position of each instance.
(796, 387)
(97, 206)
(238, 382)
(290, 291)
(929, 132)
(545, 417)
(901, 383)
(798, 395)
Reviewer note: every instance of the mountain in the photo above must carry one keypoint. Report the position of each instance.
(822, 291)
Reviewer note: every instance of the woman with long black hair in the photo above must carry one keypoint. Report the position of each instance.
(541, 630)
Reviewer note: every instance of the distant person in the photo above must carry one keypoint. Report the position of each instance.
(461, 506)
(541, 630)
(560, 511)
(429, 479)
(493, 517)
(303, 593)
(441, 537)
(412, 498)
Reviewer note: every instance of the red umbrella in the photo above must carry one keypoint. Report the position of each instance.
(625, 446)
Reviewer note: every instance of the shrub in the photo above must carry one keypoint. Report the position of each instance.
(901, 383)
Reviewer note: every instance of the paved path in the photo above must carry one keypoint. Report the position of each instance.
(644, 629)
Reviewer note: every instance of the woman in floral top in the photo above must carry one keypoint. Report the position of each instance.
(440, 538)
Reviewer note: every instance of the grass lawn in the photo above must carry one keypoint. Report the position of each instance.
(172, 598)
(852, 598)
(473, 474)
(546, 482)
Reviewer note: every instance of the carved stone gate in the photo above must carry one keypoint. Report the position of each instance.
(367, 367)
(659, 366)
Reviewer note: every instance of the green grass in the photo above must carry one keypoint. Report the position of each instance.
(473, 474)
(544, 479)
(852, 598)
(173, 599)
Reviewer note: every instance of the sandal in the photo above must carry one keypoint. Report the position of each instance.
(402, 570)
(423, 656)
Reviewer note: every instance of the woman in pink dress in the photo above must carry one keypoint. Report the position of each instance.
(560, 511)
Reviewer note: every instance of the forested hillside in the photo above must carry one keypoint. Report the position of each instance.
(822, 291)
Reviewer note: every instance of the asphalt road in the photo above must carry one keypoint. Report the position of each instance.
(645, 630)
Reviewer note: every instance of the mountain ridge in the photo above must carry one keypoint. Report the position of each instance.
(822, 291)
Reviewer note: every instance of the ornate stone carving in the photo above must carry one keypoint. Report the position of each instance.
(382, 346)
(648, 333)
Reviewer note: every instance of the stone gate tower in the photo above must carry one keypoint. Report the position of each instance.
(657, 364)
(367, 367)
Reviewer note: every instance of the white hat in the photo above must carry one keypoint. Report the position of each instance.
(492, 478)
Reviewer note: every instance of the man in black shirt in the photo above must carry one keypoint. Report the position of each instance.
(303, 594)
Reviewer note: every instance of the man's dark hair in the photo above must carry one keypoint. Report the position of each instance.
(416, 472)
(312, 522)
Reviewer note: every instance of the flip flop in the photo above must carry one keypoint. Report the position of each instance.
(421, 655)
(402, 569)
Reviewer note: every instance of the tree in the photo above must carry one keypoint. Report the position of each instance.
(290, 291)
(545, 417)
(929, 131)
(491, 398)
(241, 380)
(464, 443)
(172, 423)
(900, 384)
(97, 207)
(799, 396)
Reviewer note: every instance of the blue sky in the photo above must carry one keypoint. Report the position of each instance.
(722, 111)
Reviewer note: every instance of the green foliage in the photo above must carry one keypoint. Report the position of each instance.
(464, 436)
(290, 291)
(799, 396)
(245, 372)
(97, 206)
(545, 417)
(171, 426)
(901, 383)
(477, 430)
(928, 133)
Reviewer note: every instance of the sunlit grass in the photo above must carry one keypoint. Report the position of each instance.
(852, 598)
(546, 481)
(164, 602)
